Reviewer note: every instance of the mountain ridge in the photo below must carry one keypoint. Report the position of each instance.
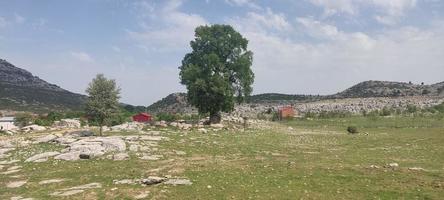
(21, 90)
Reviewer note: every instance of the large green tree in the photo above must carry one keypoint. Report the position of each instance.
(217, 73)
(103, 100)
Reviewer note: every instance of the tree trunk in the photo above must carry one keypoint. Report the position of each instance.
(215, 118)
(100, 129)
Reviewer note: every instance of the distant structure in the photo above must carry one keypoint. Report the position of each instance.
(7, 123)
(286, 112)
(142, 117)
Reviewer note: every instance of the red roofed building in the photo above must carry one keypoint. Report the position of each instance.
(142, 117)
(286, 112)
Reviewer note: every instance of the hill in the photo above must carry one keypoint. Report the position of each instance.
(177, 103)
(390, 89)
(173, 103)
(21, 90)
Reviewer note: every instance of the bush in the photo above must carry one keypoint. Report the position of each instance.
(167, 117)
(385, 112)
(352, 130)
(23, 119)
(412, 109)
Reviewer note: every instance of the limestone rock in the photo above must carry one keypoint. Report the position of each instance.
(16, 184)
(46, 138)
(42, 156)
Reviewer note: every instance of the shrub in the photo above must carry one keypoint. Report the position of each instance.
(385, 112)
(412, 108)
(352, 130)
(23, 119)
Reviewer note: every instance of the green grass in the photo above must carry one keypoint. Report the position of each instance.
(316, 159)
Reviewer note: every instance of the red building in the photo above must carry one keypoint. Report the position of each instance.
(142, 117)
(286, 112)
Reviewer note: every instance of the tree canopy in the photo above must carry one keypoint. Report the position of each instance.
(217, 73)
(103, 100)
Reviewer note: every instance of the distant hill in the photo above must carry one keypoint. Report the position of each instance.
(390, 89)
(275, 97)
(177, 102)
(20, 90)
(173, 103)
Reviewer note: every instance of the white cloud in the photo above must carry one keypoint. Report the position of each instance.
(82, 56)
(249, 3)
(19, 19)
(285, 64)
(3, 22)
(169, 29)
(387, 11)
(267, 21)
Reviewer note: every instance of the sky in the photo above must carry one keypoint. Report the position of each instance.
(299, 46)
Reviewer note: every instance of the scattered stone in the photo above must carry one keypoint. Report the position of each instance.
(33, 128)
(121, 156)
(82, 133)
(217, 126)
(86, 186)
(14, 168)
(44, 182)
(202, 130)
(151, 157)
(42, 157)
(11, 172)
(134, 148)
(416, 169)
(374, 166)
(65, 140)
(180, 153)
(152, 180)
(6, 144)
(8, 162)
(66, 193)
(178, 182)
(393, 165)
(74, 155)
(68, 123)
(152, 138)
(16, 184)
(142, 195)
(20, 198)
(124, 181)
(46, 138)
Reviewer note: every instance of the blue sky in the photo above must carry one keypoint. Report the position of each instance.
(305, 46)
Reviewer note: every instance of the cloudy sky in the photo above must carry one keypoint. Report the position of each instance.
(300, 46)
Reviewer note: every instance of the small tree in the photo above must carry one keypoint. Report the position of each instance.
(103, 100)
(23, 119)
(217, 72)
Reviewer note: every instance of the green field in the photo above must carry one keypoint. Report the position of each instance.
(299, 159)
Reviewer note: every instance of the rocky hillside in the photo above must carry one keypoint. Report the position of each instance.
(176, 103)
(173, 103)
(20, 90)
(390, 89)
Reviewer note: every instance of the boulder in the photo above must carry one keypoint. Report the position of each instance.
(33, 128)
(121, 156)
(72, 155)
(68, 123)
(217, 126)
(178, 182)
(83, 133)
(46, 138)
(16, 184)
(42, 157)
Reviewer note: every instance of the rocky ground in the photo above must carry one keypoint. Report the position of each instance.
(301, 158)
(71, 143)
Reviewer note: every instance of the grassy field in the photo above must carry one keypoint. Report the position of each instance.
(300, 159)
